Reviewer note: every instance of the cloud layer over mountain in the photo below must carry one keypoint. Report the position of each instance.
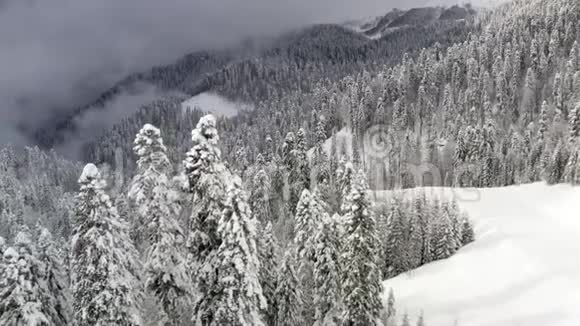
(58, 54)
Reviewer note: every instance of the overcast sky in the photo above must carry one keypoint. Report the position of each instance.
(61, 53)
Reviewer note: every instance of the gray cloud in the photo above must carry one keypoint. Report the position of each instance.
(58, 54)
(91, 123)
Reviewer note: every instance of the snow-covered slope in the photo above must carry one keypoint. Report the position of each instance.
(439, 10)
(474, 3)
(523, 269)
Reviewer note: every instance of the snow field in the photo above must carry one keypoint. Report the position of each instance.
(523, 269)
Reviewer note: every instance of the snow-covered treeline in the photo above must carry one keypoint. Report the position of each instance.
(130, 255)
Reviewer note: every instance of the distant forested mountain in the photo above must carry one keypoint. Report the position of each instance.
(294, 61)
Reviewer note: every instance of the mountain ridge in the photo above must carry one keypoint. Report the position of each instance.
(326, 44)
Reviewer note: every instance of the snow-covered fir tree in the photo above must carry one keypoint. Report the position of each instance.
(240, 300)
(395, 247)
(207, 174)
(309, 215)
(467, 233)
(260, 196)
(452, 212)
(298, 168)
(345, 175)
(25, 299)
(103, 265)
(222, 238)
(572, 170)
(361, 276)
(55, 277)
(150, 188)
(444, 242)
(327, 273)
(164, 267)
(288, 293)
(268, 247)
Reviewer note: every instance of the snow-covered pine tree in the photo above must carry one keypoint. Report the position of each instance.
(443, 237)
(327, 274)
(361, 276)
(260, 196)
(574, 125)
(396, 261)
(207, 178)
(125, 210)
(24, 298)
(320, 173)
(320, 132)
(423, 215)
(383, 232)
(309, 215)
(538, 149)
(414, 251)
(299, 174)
(267, 248)
(165, 272)
(380, 115)
(149, 188)
(240, 300)
(345, 178)
(287, 151)
(529, 97)
(55, 278)
(467, 233)
(543, 123)
(452, 211)
(102, 259)
(557, 164)
(288, 294)
(572, 170)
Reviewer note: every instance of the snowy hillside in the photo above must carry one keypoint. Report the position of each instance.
(395, 20)
(523, 268)
(475, 3)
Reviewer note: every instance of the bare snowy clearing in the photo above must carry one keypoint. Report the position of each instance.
(521, 270)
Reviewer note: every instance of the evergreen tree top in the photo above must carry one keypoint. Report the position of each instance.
(23, 237)
(90, 173)
(45, 238)
(10, 253)
(206, 131)
(149, 147)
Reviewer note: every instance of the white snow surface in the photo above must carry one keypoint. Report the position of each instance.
(523, 268)
(214, 103)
